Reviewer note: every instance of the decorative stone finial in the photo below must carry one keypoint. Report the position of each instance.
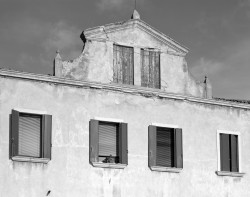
(58, 55)
(135, 15)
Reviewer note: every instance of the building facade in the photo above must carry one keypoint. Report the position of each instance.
(125, 118)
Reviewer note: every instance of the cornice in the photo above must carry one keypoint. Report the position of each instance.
(127, 89)
(99, 31)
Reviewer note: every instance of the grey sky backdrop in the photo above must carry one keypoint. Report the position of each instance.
(217, 32)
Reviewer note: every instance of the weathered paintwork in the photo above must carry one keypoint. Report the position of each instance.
(69, 173)
(96, 60)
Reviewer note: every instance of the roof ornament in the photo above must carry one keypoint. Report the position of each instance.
(135, 15)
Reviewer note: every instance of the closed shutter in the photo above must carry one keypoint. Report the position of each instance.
(29, 135)
(123, 143)
(225, 152)
(150, 69)
(178, 163)
(47, 132)
(234, 153)
(123, 59)
(152, 145)
(108, 140)
(165, 147)
(93, 140)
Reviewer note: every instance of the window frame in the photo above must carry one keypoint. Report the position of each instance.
(45, 136)
(176, 157)
(93, 143)
(219, 172)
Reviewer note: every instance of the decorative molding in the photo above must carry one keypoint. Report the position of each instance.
(233, 174)
(30, 111)
(109, 165)
(137, 90)
(30, 159)
(165, 169)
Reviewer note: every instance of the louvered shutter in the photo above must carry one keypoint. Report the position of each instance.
(164, 147)
(178, 148)
(14, 132)
(152, 145)
(150, 68)
(29, 135)
(123, 68)
(108, 140)
(225, 152)
(47, 132)
(234, 153)
(123, 143)
(93, 140)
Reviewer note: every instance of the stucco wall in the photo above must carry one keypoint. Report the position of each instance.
(96, 61)
(69, 172)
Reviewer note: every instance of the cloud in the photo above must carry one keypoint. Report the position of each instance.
(229, 73)
(116, 4)
(32, 44)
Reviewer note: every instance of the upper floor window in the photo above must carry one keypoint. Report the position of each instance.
(150, 69)
(123, 68)
(108, 143)
(165, 148)
(30, 136)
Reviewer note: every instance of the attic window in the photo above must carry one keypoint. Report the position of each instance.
(123, 66)
(150, 68)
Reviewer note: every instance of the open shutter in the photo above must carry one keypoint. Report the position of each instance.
(93, 140)
(152, 145)
(123, 143)
(234, 153)
(14, 132)
(178, 149)
(225, 152)
(47, 132)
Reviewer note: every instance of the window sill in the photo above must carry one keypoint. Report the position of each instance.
(30, 159)
(108, 165)
(233, 174)
(165, 169)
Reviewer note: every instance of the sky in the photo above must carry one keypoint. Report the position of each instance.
(217, 33)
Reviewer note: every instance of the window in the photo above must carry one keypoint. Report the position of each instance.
(165, 148)
(228, 153)
(150, 69)
(30, 136)
(123, 58)
(108, 143)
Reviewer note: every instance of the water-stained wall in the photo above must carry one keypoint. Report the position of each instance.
(69, 173)
(96, 60)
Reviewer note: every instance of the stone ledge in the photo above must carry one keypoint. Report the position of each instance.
(30, 159)
(165, 169)
(129, 89)
(109, 165)
(233, 174)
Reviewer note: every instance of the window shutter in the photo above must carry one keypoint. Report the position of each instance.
(225, 152)
(234, 153)
(123, 143)
(14, 132)
(29, 135)
(93, 140)
(165, 147)
(108, 139)
(123, 60)
(151, 145)
(178, 149)
(47, 132)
